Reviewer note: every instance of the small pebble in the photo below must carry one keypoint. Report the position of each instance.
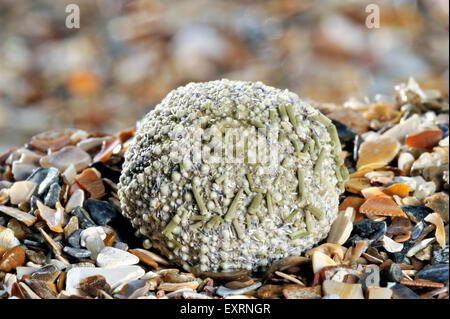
(77, 252)
(440, 256)
(52, 195)
(391, 273)
(103, 213)
(74, 238)
(84, 219)
(403, 292)
(367, 228)
(436, 272)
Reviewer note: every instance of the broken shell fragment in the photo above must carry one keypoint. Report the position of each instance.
(21, 216)
(379, 293)
(343, 290)
(382, 206)
(357, 184)
(340, 230)
(12, 259)
(53, 217)
(439, 203)
(69, 155)
(91, 182)
(21, 192)
(401, 190)
(424, 139)
(436, 220)
(391, 246)
(377, 152)
(320, 260)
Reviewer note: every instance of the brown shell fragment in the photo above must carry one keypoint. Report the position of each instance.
(235, 284)
(144, 258)
(269, 291)
(107, 150)
(53, 144)
(12, 259)
(21, 216)
(166, 286)
(356, 184)
(16, 291)
(283, 264)
(227, 275)
(91, 182)
(382, 206)
(421, 283)
(377, 152)
(293, 291)
(47, 273)
(91, 285)
(400, 228)
(424, 139)
(439, 203)
(60, 283)
(110, 236)
(44, 289)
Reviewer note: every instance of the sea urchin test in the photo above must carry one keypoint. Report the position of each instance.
(228, 175)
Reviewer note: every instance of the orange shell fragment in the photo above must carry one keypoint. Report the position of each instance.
(377, 153)
(401, 190)
(355, 202)
(372, 192)
(351, 201)
(126, 135)
(424, 139)
(107, 149)
(382, 206)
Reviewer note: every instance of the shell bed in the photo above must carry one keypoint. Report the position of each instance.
(204, 211)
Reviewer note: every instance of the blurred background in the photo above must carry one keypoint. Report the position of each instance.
(127, 55)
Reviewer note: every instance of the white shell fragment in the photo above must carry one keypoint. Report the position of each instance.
(21, 192)
(113, 257)
(391, 246)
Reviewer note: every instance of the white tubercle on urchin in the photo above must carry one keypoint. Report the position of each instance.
(228, 175)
